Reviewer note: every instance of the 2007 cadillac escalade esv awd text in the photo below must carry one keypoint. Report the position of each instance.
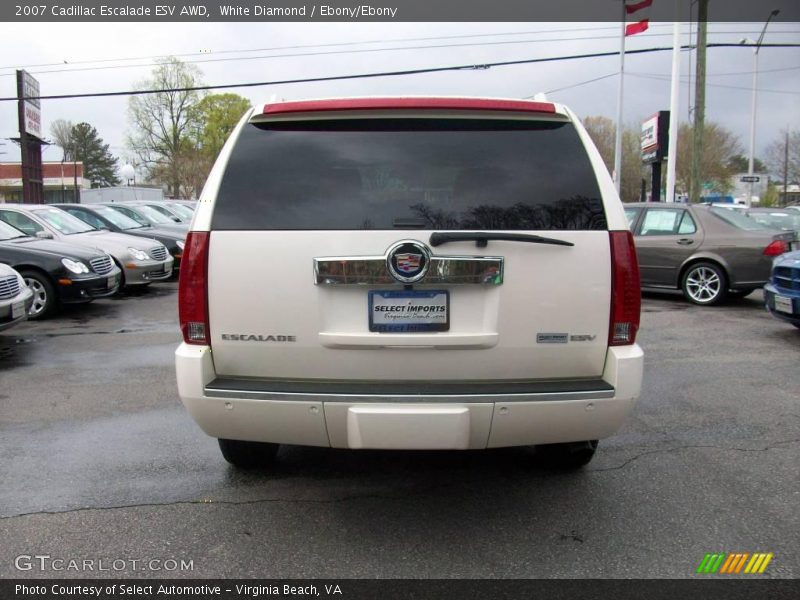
(409, 273)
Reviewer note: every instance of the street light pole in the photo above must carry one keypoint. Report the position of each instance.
(749, 199)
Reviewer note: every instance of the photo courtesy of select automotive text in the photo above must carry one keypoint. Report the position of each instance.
(394, 299)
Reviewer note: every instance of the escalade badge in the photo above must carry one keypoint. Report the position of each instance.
(408, 261)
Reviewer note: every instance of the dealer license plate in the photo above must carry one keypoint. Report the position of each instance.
(783, 304)
(395, 311)
(17, 310)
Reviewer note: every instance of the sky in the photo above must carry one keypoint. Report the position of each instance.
(94, 57)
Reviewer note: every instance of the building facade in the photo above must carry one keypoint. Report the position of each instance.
(62, 181)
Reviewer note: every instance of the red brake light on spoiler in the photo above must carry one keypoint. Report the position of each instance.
(193, 289)
(626, 299)
(409, 103)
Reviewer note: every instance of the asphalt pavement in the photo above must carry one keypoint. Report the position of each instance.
(101, 462)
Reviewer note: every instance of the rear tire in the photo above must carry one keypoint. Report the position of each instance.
(705, 283)
(566, 457)
(248, 455)
(45, 302)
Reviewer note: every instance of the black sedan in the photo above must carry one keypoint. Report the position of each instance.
(104, 217)
(147, 215)
(57, 273)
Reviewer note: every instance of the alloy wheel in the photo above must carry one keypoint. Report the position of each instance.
(39, 296)
(703, 284)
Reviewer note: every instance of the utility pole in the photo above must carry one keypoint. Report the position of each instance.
(750, 176)
(786, 169)
(696, 180)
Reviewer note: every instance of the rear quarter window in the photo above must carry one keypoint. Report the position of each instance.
(415, 173)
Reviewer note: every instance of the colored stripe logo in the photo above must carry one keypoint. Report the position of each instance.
(734, 563)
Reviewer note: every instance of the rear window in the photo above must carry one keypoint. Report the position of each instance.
(409, 173)
(737, 219)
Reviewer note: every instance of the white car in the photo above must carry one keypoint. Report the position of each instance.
(15, 298)
(141, 260)
(409, 273)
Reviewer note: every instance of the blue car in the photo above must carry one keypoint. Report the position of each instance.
(782, 293)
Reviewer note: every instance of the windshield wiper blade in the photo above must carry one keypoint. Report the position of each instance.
(481, 238)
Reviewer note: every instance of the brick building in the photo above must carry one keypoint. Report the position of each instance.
(60, 181)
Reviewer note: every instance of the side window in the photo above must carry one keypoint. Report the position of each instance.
(687, 225)
(21, 222)
(631, 214)
(661, 221)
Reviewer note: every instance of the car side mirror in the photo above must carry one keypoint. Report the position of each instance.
(176, 219)
(44, 235)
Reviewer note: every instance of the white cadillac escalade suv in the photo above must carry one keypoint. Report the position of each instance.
(409, 273)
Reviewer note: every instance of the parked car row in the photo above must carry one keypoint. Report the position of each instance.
(15, 297)
(73, 253)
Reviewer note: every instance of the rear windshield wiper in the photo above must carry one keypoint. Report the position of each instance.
(481, 238)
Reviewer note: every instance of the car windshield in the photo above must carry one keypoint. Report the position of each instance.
(117, 218)
(153, 215)
(9, 232)
(182, 210)
(777, 220)
(62, 221)
(737, 219)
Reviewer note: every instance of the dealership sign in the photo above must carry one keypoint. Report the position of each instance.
(654, 138)
(31, 107)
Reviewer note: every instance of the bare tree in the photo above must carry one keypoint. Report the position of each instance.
(61, 130)
(719, 147)
(161, 122)
(783, 155)
(603, 132)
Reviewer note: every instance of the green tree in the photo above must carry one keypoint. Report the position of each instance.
(99, 165)
(161, 123)
(771, 197)
(740, 164)
(82, 143)
(214, 118)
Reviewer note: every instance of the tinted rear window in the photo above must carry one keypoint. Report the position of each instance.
(414, 173)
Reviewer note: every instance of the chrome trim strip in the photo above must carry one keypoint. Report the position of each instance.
(411, 398)
(371, 270)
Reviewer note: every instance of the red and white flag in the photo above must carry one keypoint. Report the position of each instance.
(637, 13)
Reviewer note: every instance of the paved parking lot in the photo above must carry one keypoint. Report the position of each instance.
(100, 461)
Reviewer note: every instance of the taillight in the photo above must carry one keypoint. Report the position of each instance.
(626, 299)
(192, 289)
(776, 248)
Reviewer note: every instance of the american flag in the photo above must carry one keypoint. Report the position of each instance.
(638, 16)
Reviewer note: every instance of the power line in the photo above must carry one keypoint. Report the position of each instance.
(333, 44)
(334, 52)
(574, 85)
(339, 44)
(685, 81)
(406, 72)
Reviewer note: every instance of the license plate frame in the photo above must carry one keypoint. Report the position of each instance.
(784, 304)
(112, 281)
(400, 320)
